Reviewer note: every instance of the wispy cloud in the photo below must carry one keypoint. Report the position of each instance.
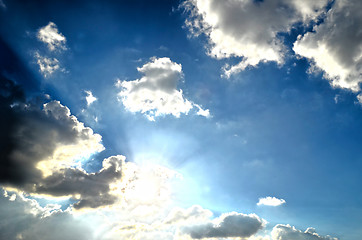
(50, 35)
(2, 4)
(47, 66)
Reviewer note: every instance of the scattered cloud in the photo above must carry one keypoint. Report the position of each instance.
(47, 66)
(227, 225)
(287, 232)
(90, 98)
(156, 93)
(42, 159)
(334, 46)
(271, 201)
(50, 35)
(248, 29)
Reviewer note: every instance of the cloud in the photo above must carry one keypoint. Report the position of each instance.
(50, 35)
(24, 218)
(90, 98)
(334, 46)
(227, 225)
(43, 149)
(248, 29)
(156, 93)
(286, 232)
(271, 201)
(47, 66)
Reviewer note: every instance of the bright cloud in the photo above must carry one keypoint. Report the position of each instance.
(335, 45)
(156, 93)
(47, 66)
(270, 201)
(287, 232)
(50, 35)
(90, 98)
(248, 29)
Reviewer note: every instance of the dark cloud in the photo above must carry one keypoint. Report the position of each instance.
(54, 138)
(228, 225)
(93, 188)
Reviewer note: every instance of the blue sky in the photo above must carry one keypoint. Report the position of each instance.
(195, 119)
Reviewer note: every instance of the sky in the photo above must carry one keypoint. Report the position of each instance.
(180, 119)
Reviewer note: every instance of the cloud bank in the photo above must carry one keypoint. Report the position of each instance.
(156, 93)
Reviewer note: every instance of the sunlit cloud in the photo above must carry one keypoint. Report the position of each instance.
(51, 36)
(156, 93)
(90, 98)
(236, 28)
(47, 66)
(334, 48)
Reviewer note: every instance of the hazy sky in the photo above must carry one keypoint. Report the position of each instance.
(180, 120)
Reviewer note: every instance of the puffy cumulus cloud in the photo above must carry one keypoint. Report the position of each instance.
(50, 35)
(287, 232)
(271, 201)
(227, 225)
(156, 92)
(246, 28)
(90, 98)
(47, 66)
(335, 45)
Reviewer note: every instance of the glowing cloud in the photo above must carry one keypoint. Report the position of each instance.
(247, 29)
(156, 93)
(50, 35)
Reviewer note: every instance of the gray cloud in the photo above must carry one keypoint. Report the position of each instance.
(287, 232)
(227, 225)
(41, 150)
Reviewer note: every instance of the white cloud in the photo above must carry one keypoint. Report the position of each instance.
(50, 35)
(248, 29)
(271, 201)
(335, 45)
(156, 92)
(47, 66)
(287, 232)
(90, 98)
